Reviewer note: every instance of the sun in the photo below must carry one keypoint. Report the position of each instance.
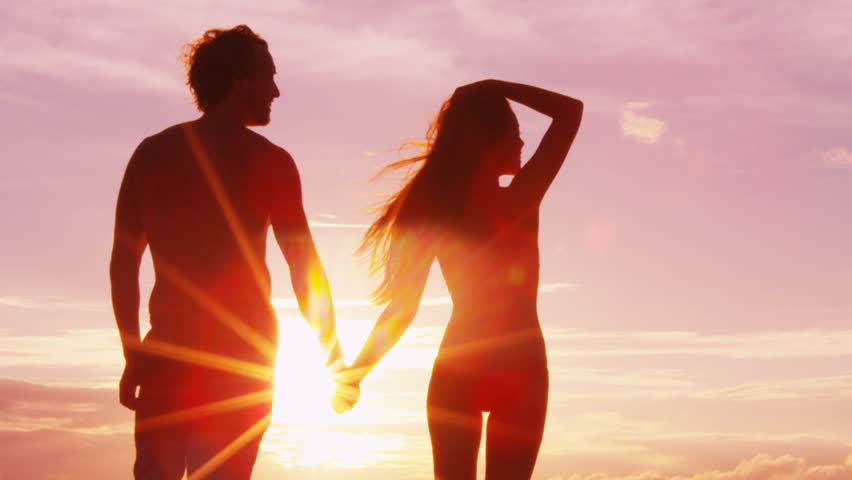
(305, 429)
(303, 386)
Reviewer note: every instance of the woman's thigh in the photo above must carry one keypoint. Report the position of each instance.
(516, 425)
(455, 426)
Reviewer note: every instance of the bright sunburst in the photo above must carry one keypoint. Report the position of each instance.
(303, 386)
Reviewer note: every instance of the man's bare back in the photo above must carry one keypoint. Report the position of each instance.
(202, 195)
(206, 198)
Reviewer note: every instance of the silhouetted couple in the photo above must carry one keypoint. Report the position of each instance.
(201, 195)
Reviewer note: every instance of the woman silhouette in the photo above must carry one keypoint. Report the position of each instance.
(485, 237)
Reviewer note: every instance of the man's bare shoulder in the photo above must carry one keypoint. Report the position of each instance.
(275, 158)
(273, 151)
(160, 143)
(170, 137)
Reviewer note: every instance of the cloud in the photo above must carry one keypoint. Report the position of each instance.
(28, 406)
(425, 302)
(52, 303)
(493, 20)
(67, 48)
(638, 127)
(839, 386)
(321, 224)
(838, 157)
(646, 452)
(66, 455)
(34, 56)
(762, 344)
(760, 467)
(552, 287)
(663, 385)
(95, 347)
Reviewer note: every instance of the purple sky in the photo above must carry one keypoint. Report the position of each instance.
(696, 268)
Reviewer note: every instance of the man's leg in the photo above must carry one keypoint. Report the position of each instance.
(224, 443)
(160, 445)
(225, 446)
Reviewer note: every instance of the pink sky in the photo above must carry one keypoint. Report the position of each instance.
(696, 267)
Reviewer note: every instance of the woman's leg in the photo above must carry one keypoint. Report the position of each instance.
(455, 426)
(516, 425)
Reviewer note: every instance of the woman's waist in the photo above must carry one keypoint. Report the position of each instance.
(522, 306)
(475, 345)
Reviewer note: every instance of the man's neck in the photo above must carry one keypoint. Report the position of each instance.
(221, 121)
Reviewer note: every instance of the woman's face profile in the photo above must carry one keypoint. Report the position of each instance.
(503, 155)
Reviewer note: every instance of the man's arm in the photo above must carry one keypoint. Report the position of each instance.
(307, 275)
(129, 244)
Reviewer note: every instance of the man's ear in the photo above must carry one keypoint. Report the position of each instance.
(239, 86)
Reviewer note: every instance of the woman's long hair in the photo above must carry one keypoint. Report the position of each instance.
(431, 202)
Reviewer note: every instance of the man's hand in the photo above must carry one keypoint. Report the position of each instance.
(128, 385)
(347, 388)
(345, 396)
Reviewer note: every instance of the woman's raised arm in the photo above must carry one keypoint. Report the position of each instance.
(538, 173)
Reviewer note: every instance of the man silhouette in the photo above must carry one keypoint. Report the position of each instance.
(202, 195)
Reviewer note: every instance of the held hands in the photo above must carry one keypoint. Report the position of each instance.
(347, 389)
(345, 396)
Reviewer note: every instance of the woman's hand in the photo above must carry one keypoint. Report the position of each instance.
(347, 390)
(488, 85)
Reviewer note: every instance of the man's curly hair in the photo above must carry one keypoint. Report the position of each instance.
(216, 59)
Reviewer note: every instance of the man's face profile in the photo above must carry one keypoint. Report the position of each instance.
(260, 89)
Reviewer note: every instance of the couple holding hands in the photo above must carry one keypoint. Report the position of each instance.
(202, 195)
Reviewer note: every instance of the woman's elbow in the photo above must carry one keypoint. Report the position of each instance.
(577, 109)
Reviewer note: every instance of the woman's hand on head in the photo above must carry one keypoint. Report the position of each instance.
(488, 85)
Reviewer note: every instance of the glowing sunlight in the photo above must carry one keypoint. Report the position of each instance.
(303, 385)
(305, 430)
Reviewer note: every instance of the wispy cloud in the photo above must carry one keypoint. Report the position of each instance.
(552, 287)
(763, 344)
(61, 303)
(28, 406)
(52, 303)
(340, 302)
(638, 127)
(425, 302)
(593, 384)
(96, 347)
(838, 157)
(798, 389)
(760, 467)
(321, 224)
(67, 454)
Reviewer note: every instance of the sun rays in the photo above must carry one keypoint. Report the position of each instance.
(222, 406)
(302, 388)
(229, 450)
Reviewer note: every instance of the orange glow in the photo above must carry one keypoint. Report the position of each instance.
(230, 449)
(222, 314)
(205, 359)
(221, 406)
